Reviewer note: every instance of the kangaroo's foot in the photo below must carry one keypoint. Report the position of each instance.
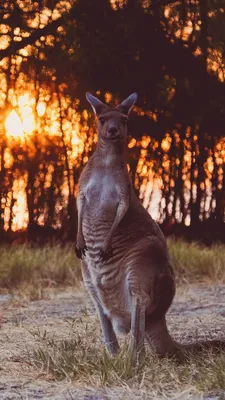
(112, 347)
(159, 339)
(109, 336)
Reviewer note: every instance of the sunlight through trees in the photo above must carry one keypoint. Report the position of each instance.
(51, 52)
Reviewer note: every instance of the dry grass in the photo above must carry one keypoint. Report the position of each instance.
(39, 267)
(56, 265)
(82, 358)
(194, 262)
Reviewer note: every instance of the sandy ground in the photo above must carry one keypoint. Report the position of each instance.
(198, 312)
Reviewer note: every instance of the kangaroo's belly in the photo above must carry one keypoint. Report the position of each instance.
(95, 229)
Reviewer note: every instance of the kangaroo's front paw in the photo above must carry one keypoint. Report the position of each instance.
(106, 254)
(80, 251)
(80, 248)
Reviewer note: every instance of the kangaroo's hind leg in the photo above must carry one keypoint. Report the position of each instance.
(109, 336)
(157, 334)
(137, 327)
(151, 284)
(139, 301)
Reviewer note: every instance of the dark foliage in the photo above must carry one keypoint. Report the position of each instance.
(172, 54)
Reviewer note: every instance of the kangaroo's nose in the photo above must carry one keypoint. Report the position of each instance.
(113, 130)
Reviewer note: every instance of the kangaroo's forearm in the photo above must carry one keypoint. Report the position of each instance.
(122, 208)
(121, 211)
(80, 207)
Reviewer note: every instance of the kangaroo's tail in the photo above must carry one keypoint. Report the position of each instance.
(163, 344)
(197, 347)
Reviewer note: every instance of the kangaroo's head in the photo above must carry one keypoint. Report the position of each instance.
(112, 122)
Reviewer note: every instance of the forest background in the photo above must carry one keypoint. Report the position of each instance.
(170, 52)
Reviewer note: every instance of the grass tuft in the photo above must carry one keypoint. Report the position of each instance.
(83, 359)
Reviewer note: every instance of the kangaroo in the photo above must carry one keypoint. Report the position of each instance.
(126, 265)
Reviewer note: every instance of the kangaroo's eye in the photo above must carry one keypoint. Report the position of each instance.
(124, 121)
(102, 121)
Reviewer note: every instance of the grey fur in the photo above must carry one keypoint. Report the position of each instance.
(126, 265)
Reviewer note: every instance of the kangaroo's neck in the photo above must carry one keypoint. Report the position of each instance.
(111, 154)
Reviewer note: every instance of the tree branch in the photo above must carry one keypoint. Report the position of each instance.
(165, 3)
(14, 47)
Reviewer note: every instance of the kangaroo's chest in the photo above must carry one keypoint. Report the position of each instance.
(102, 191)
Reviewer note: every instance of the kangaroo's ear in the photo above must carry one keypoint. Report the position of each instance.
(128, 103)
(95, 103)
